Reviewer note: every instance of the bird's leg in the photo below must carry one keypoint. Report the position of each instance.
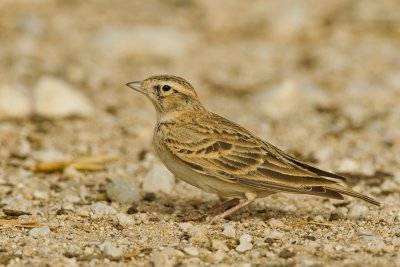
(250, 197)
(225, 205)
(215, 210)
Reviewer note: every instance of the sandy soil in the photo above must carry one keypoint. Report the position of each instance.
(320, 79)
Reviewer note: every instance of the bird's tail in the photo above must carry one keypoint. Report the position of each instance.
(352, 193)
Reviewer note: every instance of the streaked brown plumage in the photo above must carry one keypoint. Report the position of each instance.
(219, 156)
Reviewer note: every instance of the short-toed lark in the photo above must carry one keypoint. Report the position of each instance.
(221, 157)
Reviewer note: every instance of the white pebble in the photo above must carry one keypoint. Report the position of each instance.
(274, 234)
(357, 211)
(72, 199)
(281, 101)
(197, 230)
(216, 257)
(111, 250)
(22, 149)
(159, 179)
(55, 98)
(41, 195)
(72, 173)
(83, 212)
(229, 231)
(185, 226)
(217, 244)
(192, 251)
(245, 243)
(348, 165)
(124, 220)
(123, 192)
(160, 259)
(40, 231)
(13, 103)
(101, 210)
(276, 223)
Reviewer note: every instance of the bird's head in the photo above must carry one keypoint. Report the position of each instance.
(168, 93)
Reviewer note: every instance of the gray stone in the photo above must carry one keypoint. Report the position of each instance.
(229, 231)
(219, 245)
(197, 230)
(274, 223)
(357, 211)
(160, 259)
(348, 165)
(101, 210)
(55, 98)
(215, 257)
(159, 179)
(111, 250)
(185, 226)
(123, 192)
(192, 251)
(40, 231)
(14, 103)
(125, 220)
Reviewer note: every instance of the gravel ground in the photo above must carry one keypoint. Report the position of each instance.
(80, 183)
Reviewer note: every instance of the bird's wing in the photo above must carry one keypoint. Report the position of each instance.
(217, 147)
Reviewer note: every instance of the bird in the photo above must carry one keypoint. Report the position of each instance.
(219, 156)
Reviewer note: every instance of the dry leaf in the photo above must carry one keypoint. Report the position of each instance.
(89, 163)
(24, 224)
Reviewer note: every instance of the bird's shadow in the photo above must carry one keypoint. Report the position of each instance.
(194, 210)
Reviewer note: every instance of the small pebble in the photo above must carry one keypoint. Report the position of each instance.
(171, 252)
(54, 98)
(348, 165)
(192, 251)
(72, 173)
(274, 234)
(185, 226)
(123, 192)
(22, 149)
(215, 257)
(274, 223)
(72, 199)
(101, 210)
(229, 231)
(40, 231)
(357, 211)
(159, 179)
(14, 103)
(217, 244)
(245, 243)
(197, 230)
(111, 250)
(160, 259)
(83, 212)
(40, 195)
(124, 220)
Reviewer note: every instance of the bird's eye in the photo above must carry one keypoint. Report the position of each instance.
(166, 88)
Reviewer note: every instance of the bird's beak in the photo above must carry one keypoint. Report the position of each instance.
(137, 85)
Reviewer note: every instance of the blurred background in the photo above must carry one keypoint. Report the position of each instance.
(320, 79)
(288, 70)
